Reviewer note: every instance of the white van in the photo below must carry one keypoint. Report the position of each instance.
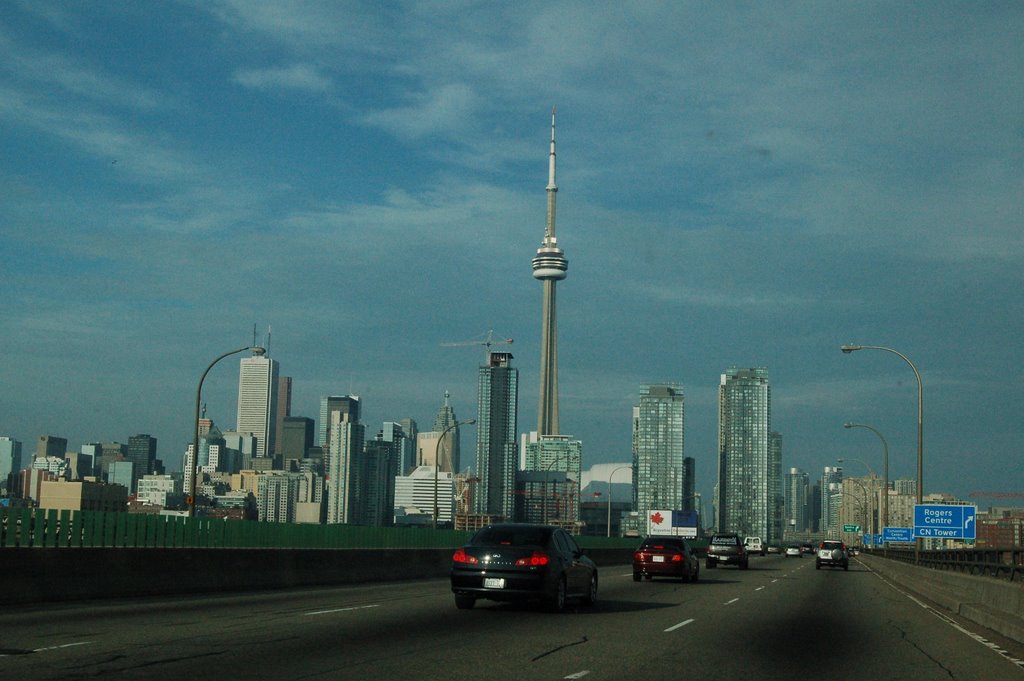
(754, 545)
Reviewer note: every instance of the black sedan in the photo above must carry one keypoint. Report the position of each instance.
(516, 562)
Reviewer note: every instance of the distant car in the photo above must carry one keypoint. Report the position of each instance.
(726, 548)
(832, 554)
(807, 547)
(754, 545)
(794, 550)
(520, 562)
(666, 557)
(774, 549)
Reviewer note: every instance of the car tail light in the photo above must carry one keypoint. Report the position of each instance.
(639, 555)
(461, 556)
(536, 559)
(678, 558)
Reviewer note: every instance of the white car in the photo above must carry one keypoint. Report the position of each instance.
(793, 551)
(754, 545)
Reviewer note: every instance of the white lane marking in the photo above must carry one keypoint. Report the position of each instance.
(577, 675)
(758, 588)
(43, 650)
(774, 580)
(66, 645)
(357, 607)
(951, 622)
(730, 602)
(677, 626)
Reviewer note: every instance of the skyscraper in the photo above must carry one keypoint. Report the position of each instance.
(745, 500)
(10, 461)
(449, 450)
(142, 454)
(659, 466)
(257, 401)
(497, 414)
(329, 403)
(549, 266)
(831, 496)
(795, 516)
(345, 437)
(284, 409)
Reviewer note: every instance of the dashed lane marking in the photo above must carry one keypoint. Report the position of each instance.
(678, 626)
(357, 607)
(730, 602)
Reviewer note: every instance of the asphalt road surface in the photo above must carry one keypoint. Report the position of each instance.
(779, 619)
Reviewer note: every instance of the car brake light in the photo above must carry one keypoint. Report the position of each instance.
(678, 558)
(639, 555)
(534, 560)
(461, 556)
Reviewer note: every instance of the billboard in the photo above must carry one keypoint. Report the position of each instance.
(672, 523)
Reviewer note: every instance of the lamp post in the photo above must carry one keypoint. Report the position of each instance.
(610, 476)
(847, 349)
(437, 458)
(257, 351)
(864, 505)
(885, 472)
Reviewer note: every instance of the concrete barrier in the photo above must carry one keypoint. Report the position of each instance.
(56, 575)
(993, 603)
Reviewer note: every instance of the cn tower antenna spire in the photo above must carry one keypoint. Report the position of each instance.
(549, 266)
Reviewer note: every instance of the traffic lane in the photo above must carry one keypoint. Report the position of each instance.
(408, 629)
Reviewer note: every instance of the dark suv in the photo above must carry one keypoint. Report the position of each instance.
(727, 548)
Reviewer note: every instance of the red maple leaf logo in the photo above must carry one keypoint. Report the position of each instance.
(657, 518)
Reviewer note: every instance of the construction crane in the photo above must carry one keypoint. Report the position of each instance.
(487, 342)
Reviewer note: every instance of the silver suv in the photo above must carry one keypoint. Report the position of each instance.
(833, 554)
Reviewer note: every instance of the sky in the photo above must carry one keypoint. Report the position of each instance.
(740, 184)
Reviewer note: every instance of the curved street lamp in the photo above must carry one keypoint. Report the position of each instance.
(847, 349)
(437, 458)
(885, 470)
(865, 508)
(257, 351)
(610, 476)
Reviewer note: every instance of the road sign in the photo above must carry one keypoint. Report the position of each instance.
(945, 521)
(851, 528)
(675, 523)
(866, 540)
(899, 535)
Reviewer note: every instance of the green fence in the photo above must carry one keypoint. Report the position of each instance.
(42, 528)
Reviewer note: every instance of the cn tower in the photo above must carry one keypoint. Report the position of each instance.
(549, 265)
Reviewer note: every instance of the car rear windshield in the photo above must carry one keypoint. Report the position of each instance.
(512, 536)
(725, 541)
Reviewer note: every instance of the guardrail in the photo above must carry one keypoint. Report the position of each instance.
(48, 528)
(997, 562)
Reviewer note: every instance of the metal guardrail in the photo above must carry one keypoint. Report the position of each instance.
(997, 562)
(43, 528)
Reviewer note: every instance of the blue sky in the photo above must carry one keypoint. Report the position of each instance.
(740, 184)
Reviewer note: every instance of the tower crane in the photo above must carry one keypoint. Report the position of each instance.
(487, 342)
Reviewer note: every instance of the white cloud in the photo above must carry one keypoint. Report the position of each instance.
(294, 77)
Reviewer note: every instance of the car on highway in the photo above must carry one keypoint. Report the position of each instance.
(794, 550)
(726, 548)
(522, 562)
(666, 557)
(833, 554)
(754, 545)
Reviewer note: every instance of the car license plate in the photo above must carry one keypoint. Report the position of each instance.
(494, 583)
(658, 559)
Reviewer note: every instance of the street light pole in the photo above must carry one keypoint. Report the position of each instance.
(437, 458)
(610, 476)
(885, 472)
(257, 351)
(847, 349)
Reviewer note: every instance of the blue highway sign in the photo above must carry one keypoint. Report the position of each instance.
(898, 534)
(945, 521)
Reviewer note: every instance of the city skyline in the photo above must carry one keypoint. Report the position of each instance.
(740, 187)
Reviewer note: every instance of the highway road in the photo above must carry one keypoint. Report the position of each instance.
(781, 619)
